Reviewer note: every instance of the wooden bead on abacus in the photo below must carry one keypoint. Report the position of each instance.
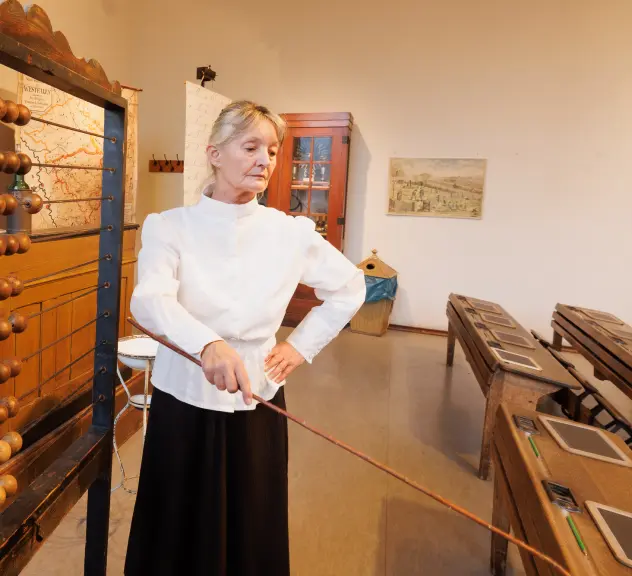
(5, 373)
(14, 365)
(17, 286)
(4, 413)
(11, 163)
(32, 203)
(5, 451)
(12, 245)
(14, 440)
(9, 483)
(3, 108)
(5, 329)
(18, 322)
(10, 204)
(3, 160)
(24, 115)
(12, 404)
(12, 112)
(3, 495)
(24, 242)
(6, 289)
(25, 164)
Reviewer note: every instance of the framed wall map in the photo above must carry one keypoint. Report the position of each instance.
(440, 188)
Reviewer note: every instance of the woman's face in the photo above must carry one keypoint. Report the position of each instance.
(244, 165)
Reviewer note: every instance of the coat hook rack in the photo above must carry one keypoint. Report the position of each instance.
(166, 165)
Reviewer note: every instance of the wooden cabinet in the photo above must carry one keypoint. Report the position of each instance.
(311, 180)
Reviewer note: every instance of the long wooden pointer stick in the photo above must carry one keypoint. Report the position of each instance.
(375, 463)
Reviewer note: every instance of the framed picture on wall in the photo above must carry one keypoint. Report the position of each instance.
(436, 187)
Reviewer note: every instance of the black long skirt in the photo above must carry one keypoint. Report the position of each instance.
(212, 497)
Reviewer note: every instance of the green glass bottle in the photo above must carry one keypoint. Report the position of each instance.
(20, 220)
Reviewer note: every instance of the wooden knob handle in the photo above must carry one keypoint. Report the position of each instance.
(5, 451)
(14, 440)
(10, 204)
(12, 112)
(14, 365)
(12, 404)
(32, 203)
(5, 329)
(25, 164)
(24, 242)
(18, 322)
(10, 484)
(6, 289)
(17, 286)
(24, 115)
(5, 373)
(12, 245)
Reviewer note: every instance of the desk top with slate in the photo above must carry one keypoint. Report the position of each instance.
(479, 320)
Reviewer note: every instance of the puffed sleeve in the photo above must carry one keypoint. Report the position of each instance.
(154, 303)
(337, 282)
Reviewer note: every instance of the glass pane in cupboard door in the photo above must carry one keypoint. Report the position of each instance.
(300, 174)
(298, 201)
(302, 148)
(321, 174)
(322, 149)
(320, 202)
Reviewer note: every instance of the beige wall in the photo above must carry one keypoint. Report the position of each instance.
(542, 89)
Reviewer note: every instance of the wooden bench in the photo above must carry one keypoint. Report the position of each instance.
(522, 504)
(598, 340)
(477, 330)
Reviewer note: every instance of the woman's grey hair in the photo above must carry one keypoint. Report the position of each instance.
(233, 121)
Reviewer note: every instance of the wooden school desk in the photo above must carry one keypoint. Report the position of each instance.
(521, 501)
(475, 323)
(601, 338)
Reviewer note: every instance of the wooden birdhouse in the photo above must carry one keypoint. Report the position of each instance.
(381, 287)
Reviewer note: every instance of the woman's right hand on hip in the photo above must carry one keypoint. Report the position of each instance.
(224, 368)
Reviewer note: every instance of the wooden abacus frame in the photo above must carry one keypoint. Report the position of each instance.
(29, 45)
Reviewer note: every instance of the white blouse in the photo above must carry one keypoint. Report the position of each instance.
(218, 271)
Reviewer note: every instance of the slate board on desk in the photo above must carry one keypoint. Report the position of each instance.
(552, 372)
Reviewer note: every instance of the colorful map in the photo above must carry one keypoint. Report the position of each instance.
(48, 144)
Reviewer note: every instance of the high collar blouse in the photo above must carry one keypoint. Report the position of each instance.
(218, 271)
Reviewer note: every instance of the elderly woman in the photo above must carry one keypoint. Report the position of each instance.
(215, 279)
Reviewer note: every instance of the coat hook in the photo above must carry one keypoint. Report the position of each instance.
(167, 161)
(178, 158)
(155, 161)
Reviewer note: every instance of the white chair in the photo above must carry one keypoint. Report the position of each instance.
(137, 352)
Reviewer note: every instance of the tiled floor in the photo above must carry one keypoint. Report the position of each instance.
(393, 398)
